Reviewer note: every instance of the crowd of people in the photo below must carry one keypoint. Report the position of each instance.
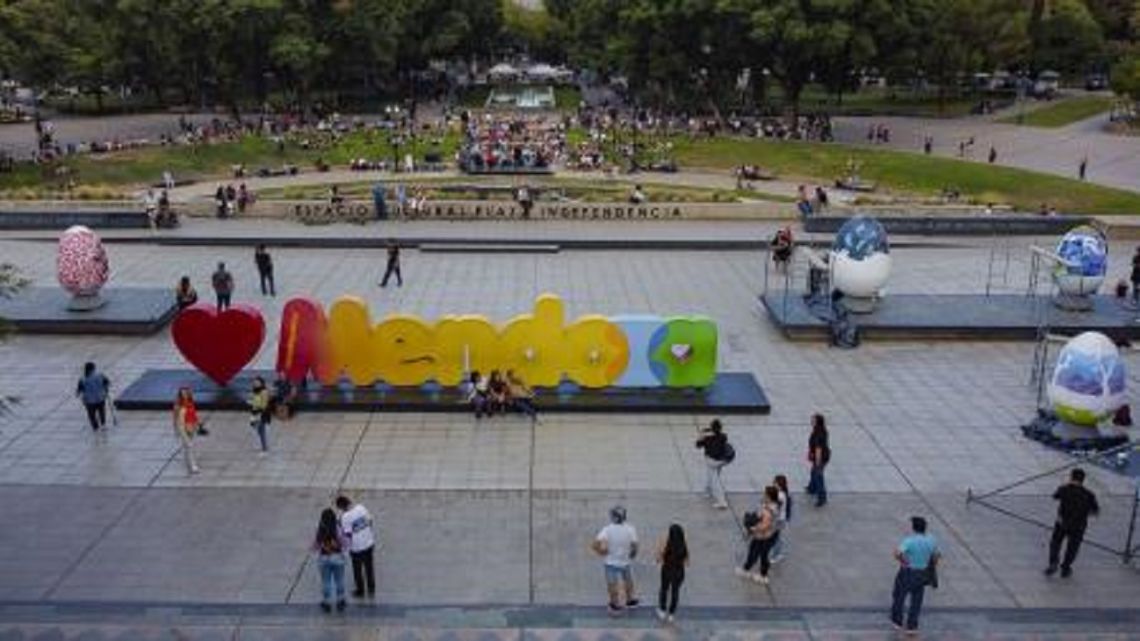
(514, 142)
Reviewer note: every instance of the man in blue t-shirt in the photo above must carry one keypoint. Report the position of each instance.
(92, 390)
(917, 555)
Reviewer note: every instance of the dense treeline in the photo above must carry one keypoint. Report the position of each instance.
(699, 53)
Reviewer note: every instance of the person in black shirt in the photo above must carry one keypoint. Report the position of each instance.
(265, 270)
(819, 455)
(1076, 504)
(393, 265)
(1136, 276)
(715, 444)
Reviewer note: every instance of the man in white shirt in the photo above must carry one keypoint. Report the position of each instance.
(356, 523)
(617, 542)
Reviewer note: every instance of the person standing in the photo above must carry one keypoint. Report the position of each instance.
(167, 180)
(393, 265)
(265, 270)
(617, 542)
(761, 527)
(1075, 504)
(993, 154)
(782, 517)
(1135, 277)
(260, 413)
(673, 556)
(819, 455)
(1083, 169)
(356, 523)
(917, 556)
(330, 544)
(715, 445)
(223, 282)
(92, 389)
(186, 425)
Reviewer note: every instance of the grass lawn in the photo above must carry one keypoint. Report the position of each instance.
(876, 101)
(1064, 112)
(142, 166)
(907, 172)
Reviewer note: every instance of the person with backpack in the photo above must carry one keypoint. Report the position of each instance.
(819, 455)
(93, 389)
(260, 412)
(782, 517)
(917, 556)
(329, 545)
(718, 453)
(761, 527)
(673, 556)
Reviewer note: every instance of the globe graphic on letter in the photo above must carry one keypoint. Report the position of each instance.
(1084, 261)
(1088, 380)
(860, 257)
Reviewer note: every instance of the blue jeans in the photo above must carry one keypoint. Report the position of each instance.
(816, 487)
(259, 425)
(331, 568)
(908, 582)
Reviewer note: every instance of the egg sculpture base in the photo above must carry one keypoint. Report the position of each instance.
(86, 303)
(1074, 302)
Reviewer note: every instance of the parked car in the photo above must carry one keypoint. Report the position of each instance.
(1096, 82)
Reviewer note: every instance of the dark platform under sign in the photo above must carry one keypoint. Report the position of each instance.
(945, 225)
(128, 311)
(957, 316)
(732, 393)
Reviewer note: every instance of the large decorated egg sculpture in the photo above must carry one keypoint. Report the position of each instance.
(81, 265)
(1088, 380)
(860, 258)
(1084, 261)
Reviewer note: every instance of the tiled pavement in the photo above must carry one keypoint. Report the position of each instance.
(492, 513)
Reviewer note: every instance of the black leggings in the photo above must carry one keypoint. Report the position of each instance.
(760, 549)
(671, 580)
(97, 414)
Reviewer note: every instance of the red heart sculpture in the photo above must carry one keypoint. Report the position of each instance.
(219, 344)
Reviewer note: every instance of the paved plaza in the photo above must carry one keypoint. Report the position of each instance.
(486, 524)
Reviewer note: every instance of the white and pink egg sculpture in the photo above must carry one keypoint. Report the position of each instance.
(82, 267)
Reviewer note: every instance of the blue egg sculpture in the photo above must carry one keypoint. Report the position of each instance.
(1088, 381)
(860, 257)
(1084, 261)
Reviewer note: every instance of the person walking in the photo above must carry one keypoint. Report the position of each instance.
(186, 426)
(93, 389)
(782, 517)
(260, 413)
(617, 543)
(819, 455)
(761, 526)
(673, 556)
(1075, 504)
(715, 445)
(223, 283)
(393, 265)
(329, 545)
(264, 270)
(917, 556)
(356, 523)
(1082, 170)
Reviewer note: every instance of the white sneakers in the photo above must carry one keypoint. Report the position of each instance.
(755, 577)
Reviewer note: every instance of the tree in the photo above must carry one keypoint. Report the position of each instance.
(1126, 77)
(1068, 39)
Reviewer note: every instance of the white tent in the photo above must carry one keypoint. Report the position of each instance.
(542, 71)
(503, 70)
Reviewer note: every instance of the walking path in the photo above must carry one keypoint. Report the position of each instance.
(500, 512)
(1114, 161)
